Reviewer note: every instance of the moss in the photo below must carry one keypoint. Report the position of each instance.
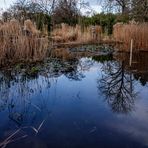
(19, 66)
(34, 70)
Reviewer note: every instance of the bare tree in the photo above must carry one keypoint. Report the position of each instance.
(65, 11)
(140, 10)
(120, 5)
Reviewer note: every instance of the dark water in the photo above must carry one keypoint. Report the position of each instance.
(97, 102)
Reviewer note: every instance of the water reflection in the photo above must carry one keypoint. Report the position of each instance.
(62, 100)
(118, 80)
(25, 98)
(118, 87)
(17, 90)
(139, 66)
(117, 83)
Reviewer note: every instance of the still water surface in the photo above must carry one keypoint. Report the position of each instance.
(96, 102)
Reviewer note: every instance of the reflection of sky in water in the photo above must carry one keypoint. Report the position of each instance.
(76, 113)
(135, 124)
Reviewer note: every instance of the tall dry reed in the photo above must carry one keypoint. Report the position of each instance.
(21, 43)
(126, 32)
(66, 33)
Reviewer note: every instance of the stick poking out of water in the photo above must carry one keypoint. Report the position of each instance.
(131, 53)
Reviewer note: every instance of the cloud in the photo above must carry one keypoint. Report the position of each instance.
(95, 7)
(6, 3)
(135, 124)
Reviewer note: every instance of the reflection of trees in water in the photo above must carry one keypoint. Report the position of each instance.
(117, 86)
(85, 64)
(69, 69)
(17, 90)
(139, 67)
(16, 93)
(73, 69)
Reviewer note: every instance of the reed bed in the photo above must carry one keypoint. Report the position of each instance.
(126, 32)
(21, 42)
(65, 33)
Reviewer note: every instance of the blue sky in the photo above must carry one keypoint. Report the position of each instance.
(93, 3)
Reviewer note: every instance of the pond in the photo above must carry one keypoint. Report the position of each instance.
(96, 101)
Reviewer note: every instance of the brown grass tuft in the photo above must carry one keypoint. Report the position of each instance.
(29, 26)
(65, 33)
(126, 32)
(21, 43)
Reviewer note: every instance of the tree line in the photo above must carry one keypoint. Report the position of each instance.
(52, 12)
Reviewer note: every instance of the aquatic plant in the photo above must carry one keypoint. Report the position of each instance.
(32, 72)
(126, 32)
(66, 33)
(103, 58)
(21, 42)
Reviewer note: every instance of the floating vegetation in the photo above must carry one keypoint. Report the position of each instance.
(103, 58)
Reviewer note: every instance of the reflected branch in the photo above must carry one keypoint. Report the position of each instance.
(117, 86)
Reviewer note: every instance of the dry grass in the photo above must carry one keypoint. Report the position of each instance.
(21, 42)
(65, 33)
(126, 32)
